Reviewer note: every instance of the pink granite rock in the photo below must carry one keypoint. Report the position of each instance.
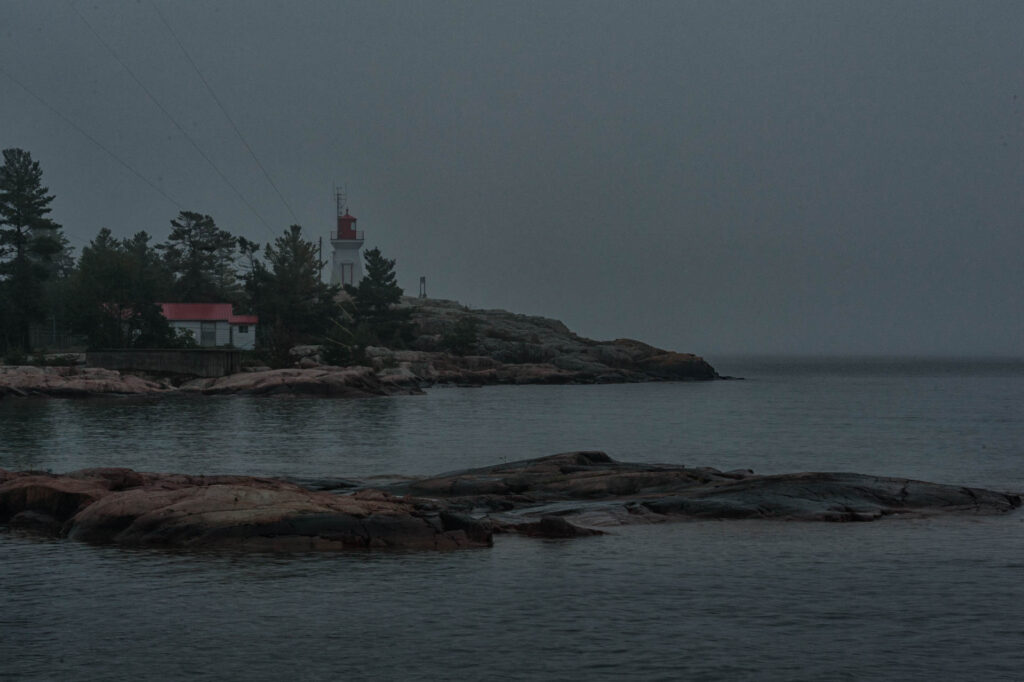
(559, 496)
(72, 382)
(337, 382)
(124, 507)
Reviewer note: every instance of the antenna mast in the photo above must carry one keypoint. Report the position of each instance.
(341, 197)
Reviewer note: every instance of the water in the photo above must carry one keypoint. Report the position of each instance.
(898, 599)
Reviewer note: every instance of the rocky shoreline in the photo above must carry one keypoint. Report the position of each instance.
(514, 348)
(561, 496)
(88, 382)
(506, 348)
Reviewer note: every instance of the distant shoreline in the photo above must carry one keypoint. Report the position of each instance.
(452, 345)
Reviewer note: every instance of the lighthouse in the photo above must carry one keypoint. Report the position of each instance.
(346, 263)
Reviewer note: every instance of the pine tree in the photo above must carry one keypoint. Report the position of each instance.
(293, 304)
(30, 247)
(375, 303)
(114, 293)
(202, 258)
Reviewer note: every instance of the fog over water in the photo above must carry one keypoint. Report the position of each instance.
(716, 177)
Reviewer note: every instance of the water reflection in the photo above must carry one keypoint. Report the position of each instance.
(843, 598)
(703, 600)
(27, 428)
(948, 426)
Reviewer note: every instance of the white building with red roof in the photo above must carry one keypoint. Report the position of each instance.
(213, 324)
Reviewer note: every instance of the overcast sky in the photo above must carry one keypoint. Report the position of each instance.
(715, 177)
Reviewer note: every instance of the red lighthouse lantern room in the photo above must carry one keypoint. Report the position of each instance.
(347, 227)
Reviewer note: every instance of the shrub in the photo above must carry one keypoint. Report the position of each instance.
(461, 338)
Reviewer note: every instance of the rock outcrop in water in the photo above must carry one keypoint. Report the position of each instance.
(592, 487)
(129, 508)
(567, 495)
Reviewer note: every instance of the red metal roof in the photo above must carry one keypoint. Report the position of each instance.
(182, 312)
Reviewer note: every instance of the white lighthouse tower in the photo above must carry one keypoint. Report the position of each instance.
(346, 261)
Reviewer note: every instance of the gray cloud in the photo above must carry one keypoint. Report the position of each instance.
(718, 177)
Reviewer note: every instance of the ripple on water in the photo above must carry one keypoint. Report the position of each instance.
(897, 599)
(713, 600)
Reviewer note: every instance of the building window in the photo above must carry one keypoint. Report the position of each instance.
(243, 329)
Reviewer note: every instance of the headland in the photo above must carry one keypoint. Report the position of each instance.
(452, 345)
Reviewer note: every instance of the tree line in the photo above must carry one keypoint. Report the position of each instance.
(110, 295)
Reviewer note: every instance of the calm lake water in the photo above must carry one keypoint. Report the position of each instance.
(711, 600)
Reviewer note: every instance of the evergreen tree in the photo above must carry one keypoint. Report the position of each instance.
(201, 257)
(114, 294)
(293, 304)
(375, 303)
(30, 247)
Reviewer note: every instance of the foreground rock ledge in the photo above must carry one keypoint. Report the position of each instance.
(565, 495)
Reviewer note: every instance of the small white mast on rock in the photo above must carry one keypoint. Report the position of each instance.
(346, 261)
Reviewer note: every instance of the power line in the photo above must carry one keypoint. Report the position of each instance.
(92, 139)
(170, 117)
(223, 110)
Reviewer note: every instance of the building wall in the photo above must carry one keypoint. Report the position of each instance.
(246, 340)
(346, 252)
(224, 335)
(189, 325)
(223, 332)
